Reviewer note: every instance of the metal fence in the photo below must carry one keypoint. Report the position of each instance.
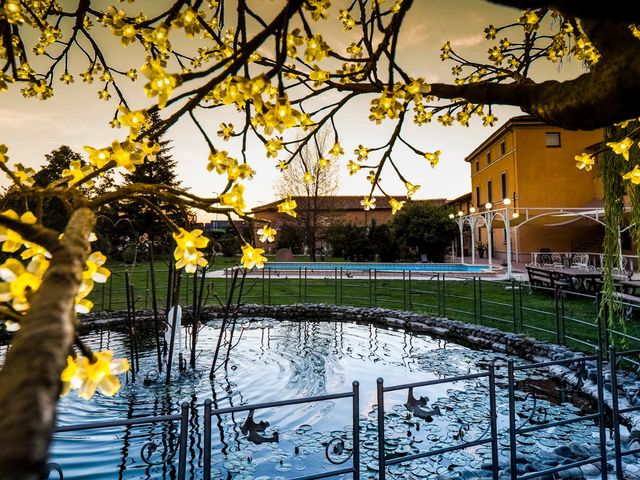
(562, 316)
(345, 450)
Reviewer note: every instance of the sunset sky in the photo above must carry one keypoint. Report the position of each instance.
(75, 117)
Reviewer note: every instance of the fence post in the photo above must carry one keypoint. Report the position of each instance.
(602, 416)
(356, 430)
(182, 456)
(335, 281)
(375, 288)
(304, 290)
(561, 340)
(493, 411)
(556, 293)
(613, 367)
(512, 422)
(263, 286)
(513, 305)
(480, 300)
(444, 295)
(410, 289)
(206, 467)
(340, 299)
(404, 291)
(521, 309)
(370, 290)
(381, 460)
(269, 289)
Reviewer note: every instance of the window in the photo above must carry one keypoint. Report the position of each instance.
(478, 196)
(503, 184)
(488, 157)
(477, 165)
(489, 192)
(552, 139)
(503, 147)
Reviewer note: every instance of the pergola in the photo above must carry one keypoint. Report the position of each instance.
(509, 218)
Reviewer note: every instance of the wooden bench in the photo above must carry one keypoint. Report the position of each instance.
(540, 277)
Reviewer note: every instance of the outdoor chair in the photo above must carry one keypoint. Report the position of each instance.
(580, 261)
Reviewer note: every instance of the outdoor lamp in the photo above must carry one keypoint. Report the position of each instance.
(488, 205)
(506, 201)
(452, 216)
(472, 210)
(460, 213)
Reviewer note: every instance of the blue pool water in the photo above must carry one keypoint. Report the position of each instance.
(381, 267)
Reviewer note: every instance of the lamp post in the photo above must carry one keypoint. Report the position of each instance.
(507, 217)
(488, 221)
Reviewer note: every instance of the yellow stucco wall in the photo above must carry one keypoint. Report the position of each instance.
(537, 176)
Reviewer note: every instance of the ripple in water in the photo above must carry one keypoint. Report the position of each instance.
(275, 361)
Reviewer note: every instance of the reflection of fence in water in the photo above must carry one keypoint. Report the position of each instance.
(472, 425)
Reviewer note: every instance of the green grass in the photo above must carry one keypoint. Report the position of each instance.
(513, 307)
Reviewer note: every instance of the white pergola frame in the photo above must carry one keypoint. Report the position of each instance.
(487, 217)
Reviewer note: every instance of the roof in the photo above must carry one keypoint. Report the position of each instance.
(520, 120)
(462, 198)
(345, 203)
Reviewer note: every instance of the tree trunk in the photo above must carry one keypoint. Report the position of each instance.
(30, 379)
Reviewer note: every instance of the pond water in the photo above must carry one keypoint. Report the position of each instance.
(285, 360)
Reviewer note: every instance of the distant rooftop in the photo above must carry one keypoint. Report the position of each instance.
(345, 203)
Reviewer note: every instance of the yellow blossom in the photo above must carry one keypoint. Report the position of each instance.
(12, 11)
(226, 131)
(24, 175)
(288, 207)
(362, 152)
(584, 161)
(267, 234)
(336, 150)
(368, 203)
(186, 253)
(396, 205)
(160, 84)
(99, 373)
(189, 21)
(12, 241)
(19, 283)
(98, 157)
(353, 167)
(135, 120)
(411, 189)
(633, 175)
(273, 145)
(234, 198)
(252, 257)
(77, 172)
(316, 49)
(308, 178)
(433, 157)
(3, 153)
(622, 147)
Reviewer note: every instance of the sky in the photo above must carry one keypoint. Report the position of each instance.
(75, 117)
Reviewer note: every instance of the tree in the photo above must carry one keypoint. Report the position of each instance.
(425, 230)
(310, 178)
(278, 71)
(350, 241)
(132, 220)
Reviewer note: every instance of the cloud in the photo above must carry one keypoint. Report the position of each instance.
(468, 41)
(18, 119)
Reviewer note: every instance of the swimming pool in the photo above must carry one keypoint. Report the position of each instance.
(384, 267)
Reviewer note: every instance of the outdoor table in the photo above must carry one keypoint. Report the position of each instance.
(582, 280)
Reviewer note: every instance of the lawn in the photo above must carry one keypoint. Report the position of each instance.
(511, 306)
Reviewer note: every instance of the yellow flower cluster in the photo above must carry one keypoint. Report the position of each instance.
(396, 205)
(633, 175)
(252, 257)
(160, 84)
(88, 375)
(584, 161)
(186, 253)
(368, 203)
(234, 198)
(76, 172)
(267, 234)
(288, 207)
(622, 147)
(222, 163)
(125, 154)
(93, 272)
(20, 283)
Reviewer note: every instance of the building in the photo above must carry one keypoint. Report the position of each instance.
(532, 164)
(330, 210)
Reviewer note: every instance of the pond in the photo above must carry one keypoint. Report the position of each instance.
(281, 360)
